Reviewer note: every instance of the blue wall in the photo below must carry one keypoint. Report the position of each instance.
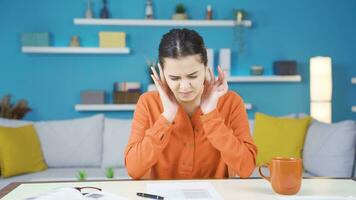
(281, 30)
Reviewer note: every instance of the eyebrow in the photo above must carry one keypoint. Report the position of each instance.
(188, 74)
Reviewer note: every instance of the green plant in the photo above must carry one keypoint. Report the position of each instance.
(239, 15)
(82, 175)
(180, 8)
(109, 172)
(13, 111)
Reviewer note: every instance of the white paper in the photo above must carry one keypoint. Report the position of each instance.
(316, 198)
(74, 194)
(184, 190)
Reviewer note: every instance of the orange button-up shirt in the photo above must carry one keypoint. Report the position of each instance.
(213, 145)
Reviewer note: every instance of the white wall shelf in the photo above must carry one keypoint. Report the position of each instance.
(161, 22)
(353, 80)
(105, 107)
(118, 107)
(294, 78)
(75, 50)
(353, 108)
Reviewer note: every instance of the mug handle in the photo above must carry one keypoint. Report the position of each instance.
(268, 178)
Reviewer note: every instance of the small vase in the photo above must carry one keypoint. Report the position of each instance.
(104, 13)
(180, 16)
(256, 70)
(74, 42)
(149, 10)
(89, 12)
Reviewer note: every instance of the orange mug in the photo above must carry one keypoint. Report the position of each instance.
(285, 175)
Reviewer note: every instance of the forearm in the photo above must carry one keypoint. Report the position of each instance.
(142, 153)
(237, 149)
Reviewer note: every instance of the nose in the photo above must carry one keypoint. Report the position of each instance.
(184, 84)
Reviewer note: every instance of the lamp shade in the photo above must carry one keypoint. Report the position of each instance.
(320, 79)
(321, 111)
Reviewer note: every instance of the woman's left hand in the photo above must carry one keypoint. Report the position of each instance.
(213, 90)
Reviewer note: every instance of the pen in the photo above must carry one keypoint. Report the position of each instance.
(150, 196)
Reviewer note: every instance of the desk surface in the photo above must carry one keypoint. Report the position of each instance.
(227, 188)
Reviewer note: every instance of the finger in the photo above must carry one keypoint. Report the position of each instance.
(225, 80)
(159, 88)
(161, 73)
(221, 74)
(212, 77)
(155, 74)
(206, 87)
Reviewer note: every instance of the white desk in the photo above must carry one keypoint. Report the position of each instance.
(245, 189)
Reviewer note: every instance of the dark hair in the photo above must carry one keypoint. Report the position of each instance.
(181, 42)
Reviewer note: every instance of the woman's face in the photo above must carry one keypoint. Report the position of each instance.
(185, 77)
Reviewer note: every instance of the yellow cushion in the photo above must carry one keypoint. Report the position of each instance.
(275, 136)
(20, 151)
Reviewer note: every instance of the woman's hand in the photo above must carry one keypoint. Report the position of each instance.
(169, 102)
(213, 90)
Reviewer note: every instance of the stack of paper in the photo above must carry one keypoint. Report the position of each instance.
(185, 190)
(316, 198)
(112, 39)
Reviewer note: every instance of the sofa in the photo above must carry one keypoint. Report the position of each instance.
(96, 143)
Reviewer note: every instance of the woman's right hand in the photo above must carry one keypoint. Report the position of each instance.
(169, 102)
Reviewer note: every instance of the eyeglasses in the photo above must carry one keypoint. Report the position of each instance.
(87, 189)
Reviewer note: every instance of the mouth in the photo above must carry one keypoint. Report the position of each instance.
(185, 94)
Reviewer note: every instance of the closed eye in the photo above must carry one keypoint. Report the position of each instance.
(174, 78)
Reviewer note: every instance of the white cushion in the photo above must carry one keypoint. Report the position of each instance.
(13, 122)
(116, 136)
(72, 143)
(329, 149)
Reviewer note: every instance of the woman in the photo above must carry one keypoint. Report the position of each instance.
(192, 127)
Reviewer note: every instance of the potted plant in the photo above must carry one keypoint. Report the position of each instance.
(109, 172)
(239, 15)
(180, 12)
(82, 175)
(13, 111)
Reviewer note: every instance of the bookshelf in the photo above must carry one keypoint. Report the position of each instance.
(294, 78)
(74, 50)
(161, 22)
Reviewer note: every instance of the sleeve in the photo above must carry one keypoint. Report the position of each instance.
(234, 141)
(145, 143)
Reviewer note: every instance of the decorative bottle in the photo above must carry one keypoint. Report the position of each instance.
(149, 10)
(89, 12)
(209, 13)
(104, 13)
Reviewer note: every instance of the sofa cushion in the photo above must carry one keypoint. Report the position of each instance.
(329, 149)
(276, 136)
(115, 138)
(251, 122)
(65, 174)
(26, 158)
(72, 143)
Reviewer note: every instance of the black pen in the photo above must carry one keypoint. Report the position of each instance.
(150, 196)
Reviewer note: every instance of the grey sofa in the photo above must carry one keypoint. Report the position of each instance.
(95, 143)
